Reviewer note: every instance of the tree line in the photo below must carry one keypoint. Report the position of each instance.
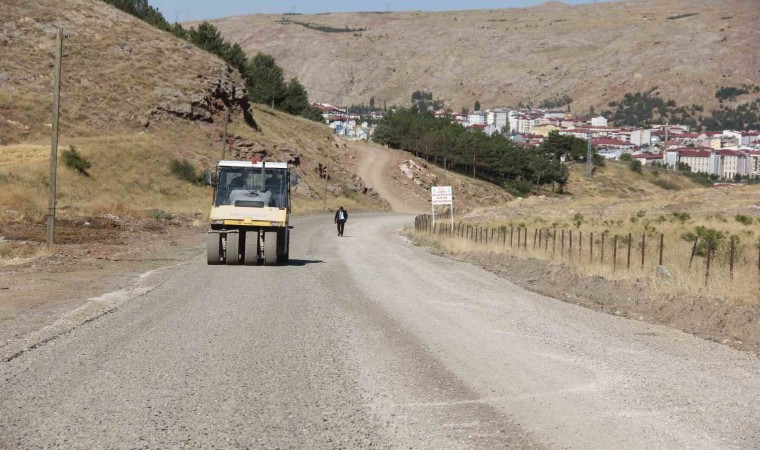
(472, 152)
(642, 109)
(264, 79)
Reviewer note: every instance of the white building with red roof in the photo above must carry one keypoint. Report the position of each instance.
(698, 159)
(648, 158)
(611, 143)
(728, 163)
(752, 163)
(743, 137)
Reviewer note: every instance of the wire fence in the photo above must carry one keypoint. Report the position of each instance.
(618, 252)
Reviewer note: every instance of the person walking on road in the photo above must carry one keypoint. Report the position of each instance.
(341, 216)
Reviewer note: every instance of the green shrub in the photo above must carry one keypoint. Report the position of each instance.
(73, 160)
(626, 157)
(635, 165)
(682, 216)
(705, 234)
(666, 184)
(185, 171)
(158, 214)
(578, 220)
(744, 220)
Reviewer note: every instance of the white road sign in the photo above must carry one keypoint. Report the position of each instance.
(441, 195)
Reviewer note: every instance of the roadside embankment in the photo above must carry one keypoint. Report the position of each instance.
(623, 274)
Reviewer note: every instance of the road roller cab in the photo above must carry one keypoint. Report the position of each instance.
(250, 217)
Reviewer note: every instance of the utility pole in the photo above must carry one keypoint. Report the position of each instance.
(54, 139)
(445, 171)
(667, 129)
(224, 138)
(326, 176)
(327, 153)
(348, 115)
(589, 157)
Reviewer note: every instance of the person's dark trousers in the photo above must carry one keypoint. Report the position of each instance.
(341, 225)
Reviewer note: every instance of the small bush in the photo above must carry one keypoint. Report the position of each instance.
(578, 220)
(666, 184)
(635, 165)
(626, 157)
(683, 217)
(73, 160)
(158, 214)
(716, 237)
(744, 220)
(185, 171)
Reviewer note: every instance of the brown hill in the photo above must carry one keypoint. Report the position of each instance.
(133, 99)
(594, 52)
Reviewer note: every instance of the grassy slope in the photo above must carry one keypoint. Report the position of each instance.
(618, 201)
(116, 70)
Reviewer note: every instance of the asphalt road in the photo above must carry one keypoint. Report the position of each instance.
(367, 341)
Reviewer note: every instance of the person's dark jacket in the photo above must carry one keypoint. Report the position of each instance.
(345, 214)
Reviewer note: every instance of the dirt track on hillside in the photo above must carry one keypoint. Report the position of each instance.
(379, 168)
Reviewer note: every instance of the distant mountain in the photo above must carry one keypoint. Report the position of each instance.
(593, 53)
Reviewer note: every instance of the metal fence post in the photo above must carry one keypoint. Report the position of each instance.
(643, 248)
(662, 246)
(731, 259)
(709, 259)
(694, 251)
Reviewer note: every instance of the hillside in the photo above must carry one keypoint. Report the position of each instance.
(133, 99)
(615, 191)
(594, 52)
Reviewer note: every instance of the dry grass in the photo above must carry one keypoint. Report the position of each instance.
(683, 282)
(618, 201)
(17, 253)
(130, 172)
(129, 176)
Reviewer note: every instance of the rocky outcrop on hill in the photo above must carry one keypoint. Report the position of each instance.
(418, 173)
(211, 97)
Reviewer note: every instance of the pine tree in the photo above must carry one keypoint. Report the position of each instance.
(264, 80)
(296, 99)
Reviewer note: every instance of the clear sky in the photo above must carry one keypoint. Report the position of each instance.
(184, 10)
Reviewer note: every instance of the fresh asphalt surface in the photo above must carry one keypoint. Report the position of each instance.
(368, 341)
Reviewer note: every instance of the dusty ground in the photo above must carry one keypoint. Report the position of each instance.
(734, 325)
(380, 169)
(87, 262)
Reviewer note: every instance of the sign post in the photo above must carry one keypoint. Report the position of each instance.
(441, 195)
